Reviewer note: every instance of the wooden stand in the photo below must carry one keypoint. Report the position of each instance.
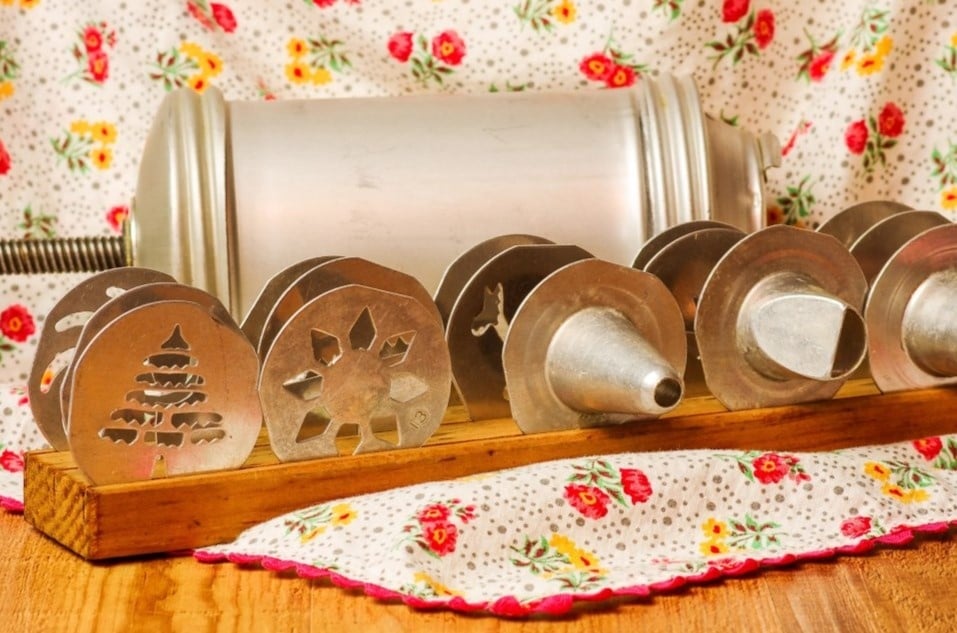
(99, 522)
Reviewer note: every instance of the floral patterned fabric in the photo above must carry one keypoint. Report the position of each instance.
(858, 92)
(537, 538)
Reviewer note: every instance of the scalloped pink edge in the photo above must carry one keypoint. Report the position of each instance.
(558, 604)
(11, 505)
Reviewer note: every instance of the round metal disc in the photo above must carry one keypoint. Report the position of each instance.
(57, 345)
(684, 265)
(255, 319)
(932, 251)
(355, 356)
(777, 249)
(165, 389)
(480, 316)
(878, 243)
(465, 266)
(849, 224)
(130, 300)
(332, 274)
(654, 245)
(638, 296)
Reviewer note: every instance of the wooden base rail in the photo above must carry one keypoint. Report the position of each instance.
(100, 522)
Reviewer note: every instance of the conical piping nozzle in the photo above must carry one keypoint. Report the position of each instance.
(597, 362)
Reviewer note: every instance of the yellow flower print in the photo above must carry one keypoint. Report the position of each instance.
(714, 529)
(848, 60)
(298, 72)
(297, 48)
(894, 492)
(579, 558)
(342, 514)
(305, 537)
(102, 157)
(210, 64)
(565, 12)
(6, 89)
(6, 3)
(320, 77)
(102, 131)
(884, 46)
(877, 470)
(191, 49)
(917, 495)
(81, 127)
(948, 199)
(713, 547)
(953, 40)
(869, 64)
(29, 4)
(199, 83)
(437, 587)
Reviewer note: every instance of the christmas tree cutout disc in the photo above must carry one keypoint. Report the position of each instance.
(165, 389)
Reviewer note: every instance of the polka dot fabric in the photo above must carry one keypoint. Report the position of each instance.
(858, 92)
(535, 539)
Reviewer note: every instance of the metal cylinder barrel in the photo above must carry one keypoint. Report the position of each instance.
(232, 192)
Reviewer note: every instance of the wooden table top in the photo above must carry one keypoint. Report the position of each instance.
(44, 587)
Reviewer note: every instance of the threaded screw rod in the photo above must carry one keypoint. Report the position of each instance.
(62, 255)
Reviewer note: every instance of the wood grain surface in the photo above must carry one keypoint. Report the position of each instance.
(100, 522)
(44, 587)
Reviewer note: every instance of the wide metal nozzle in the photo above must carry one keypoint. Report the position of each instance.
(930, 325)
(831, 343)
(597, 362)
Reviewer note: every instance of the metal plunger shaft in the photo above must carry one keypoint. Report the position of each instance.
(63, 255)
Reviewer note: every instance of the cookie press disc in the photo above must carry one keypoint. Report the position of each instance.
(165, 389)
(779, 319)
(594, 343)
(57, 346)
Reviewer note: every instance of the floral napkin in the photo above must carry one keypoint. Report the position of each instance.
(537, 538)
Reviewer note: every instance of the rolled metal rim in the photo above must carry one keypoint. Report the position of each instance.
(776, 249)
(181, 216)
(848, 225)
(929, 252)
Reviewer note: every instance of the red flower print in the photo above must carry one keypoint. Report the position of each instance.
(764, 28)
(856, 137)
(16, 323)
(621, 77)
(224, 17)
(448, 47)
(929, 447)
(11, 462)
(635, 484)
(441, 537)
(434, 513)
(5, 161)
(820, 65)
(590, 501)
(116, 215)
(99, 66)
(771, 468)
(323, 3)
(734, 10)
(856, 527)
(890, 122)
(597, 67)
(92, 39)
(400, 46)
